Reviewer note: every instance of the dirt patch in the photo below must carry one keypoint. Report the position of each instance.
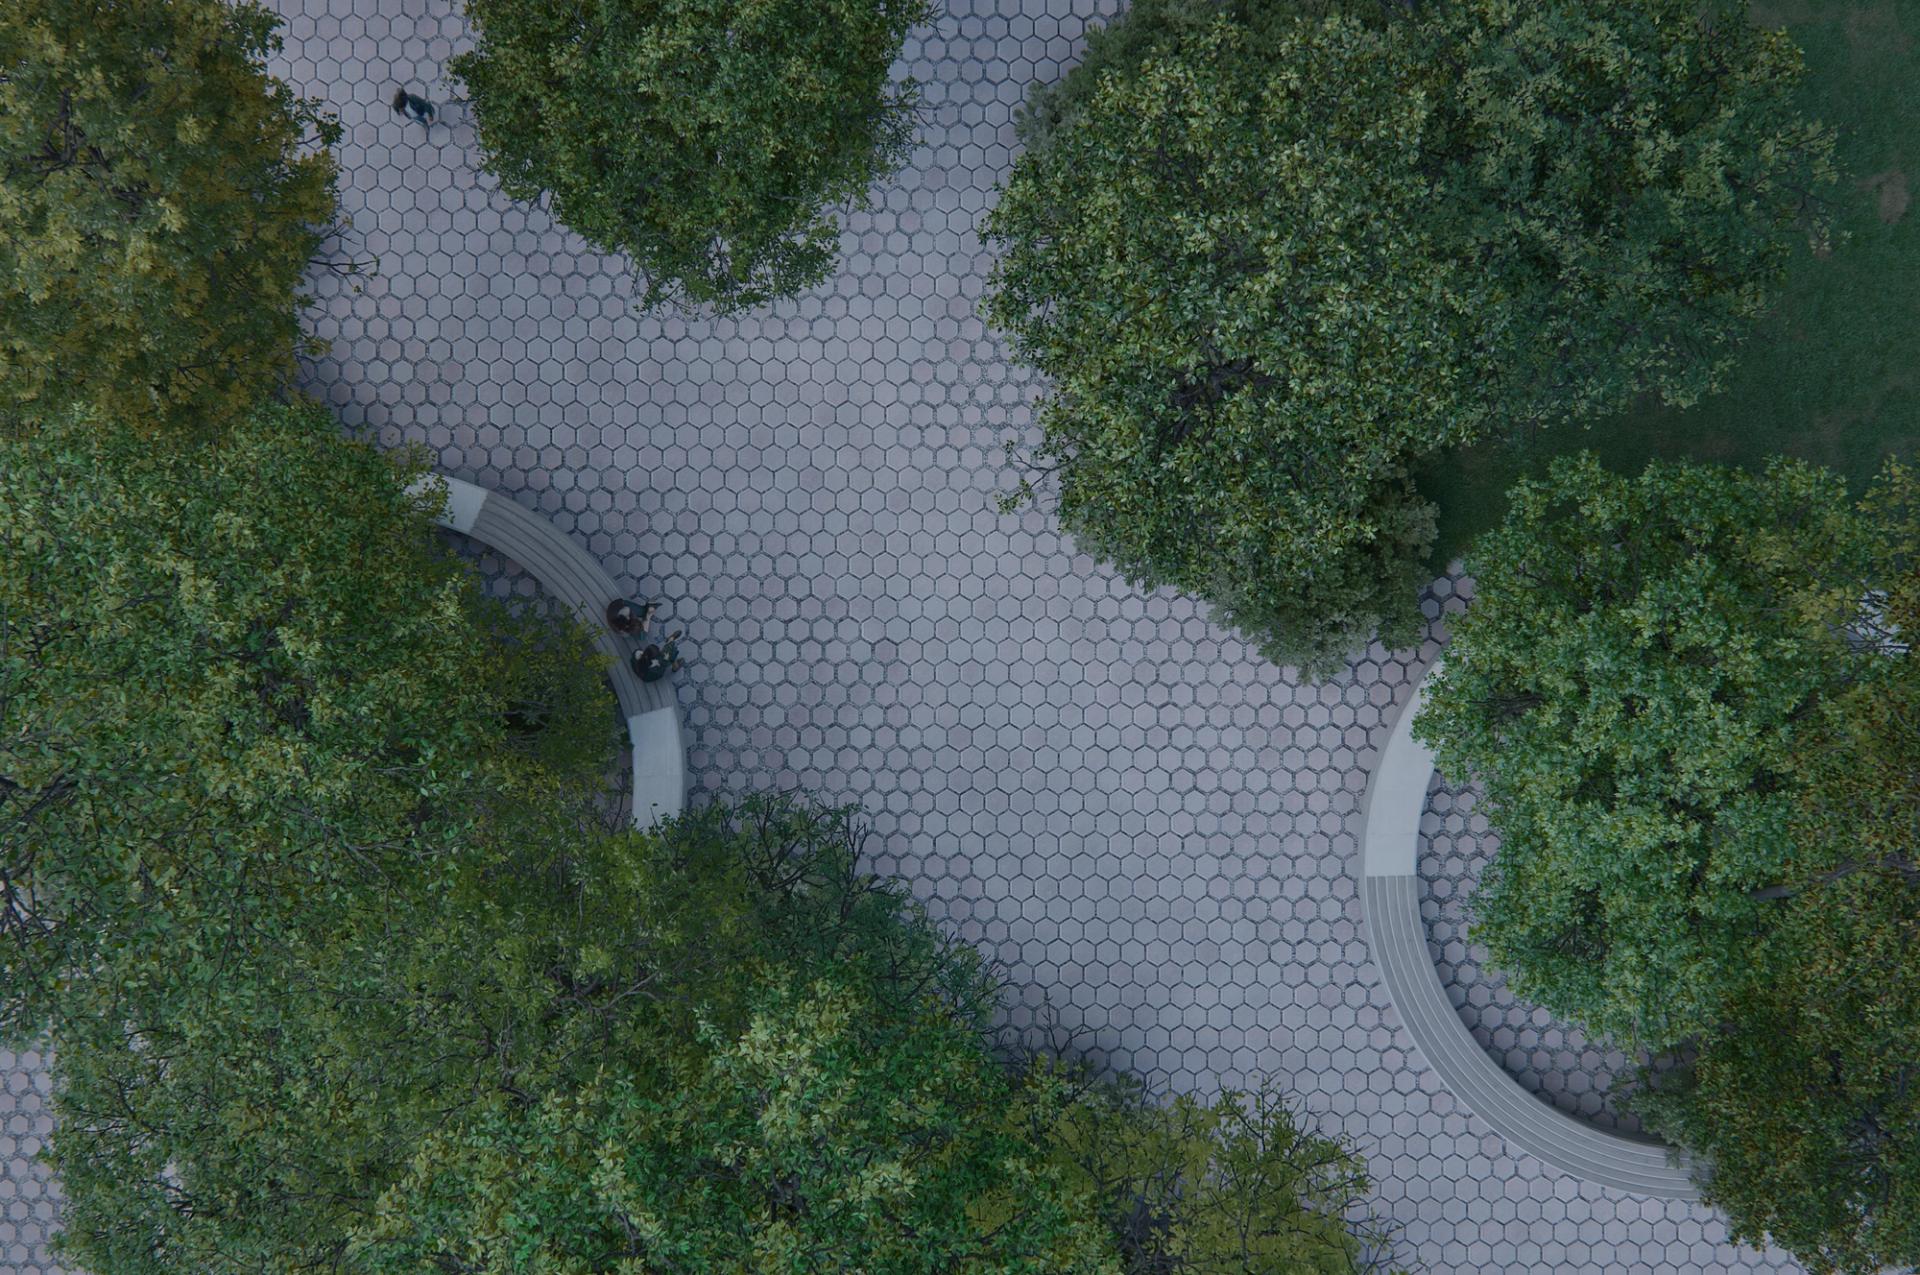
(1876, 32)
(1891, 196)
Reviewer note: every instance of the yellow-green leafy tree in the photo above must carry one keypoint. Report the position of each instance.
(161, 197)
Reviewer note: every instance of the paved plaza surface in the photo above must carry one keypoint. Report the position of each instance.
(1148, 826)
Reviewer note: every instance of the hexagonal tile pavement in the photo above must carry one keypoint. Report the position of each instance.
(1148, 826)
(29, 1202)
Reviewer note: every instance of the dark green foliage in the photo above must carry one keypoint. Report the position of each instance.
(1826, 375)
(832, 1132)
(1690, 702)
(252, 727)
(1804, 1103)
(1803, 1108)
(159, 204)
(1121, 46)
(706, 139)
(797, 1078)
(1629, 686)
(1209, 262)
(1270, 256)
(1633, 176)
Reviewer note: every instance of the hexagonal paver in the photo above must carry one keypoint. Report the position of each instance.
(1148, 826)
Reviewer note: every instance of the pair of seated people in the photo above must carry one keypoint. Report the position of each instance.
(654, 660)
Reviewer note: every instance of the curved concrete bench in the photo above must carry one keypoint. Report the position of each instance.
(1390, 896)
(566, 572)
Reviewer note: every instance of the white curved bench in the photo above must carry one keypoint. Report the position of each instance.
(1390, 897)
(567, 573)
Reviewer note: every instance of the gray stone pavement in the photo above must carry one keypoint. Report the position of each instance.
(1147, 825)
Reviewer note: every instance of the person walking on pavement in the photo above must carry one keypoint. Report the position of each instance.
(414, 106)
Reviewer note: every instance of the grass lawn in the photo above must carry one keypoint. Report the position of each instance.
(1833, 375)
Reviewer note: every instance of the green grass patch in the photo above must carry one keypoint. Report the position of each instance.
(1833, 375)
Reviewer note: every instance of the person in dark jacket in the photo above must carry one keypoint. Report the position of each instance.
(413, 105)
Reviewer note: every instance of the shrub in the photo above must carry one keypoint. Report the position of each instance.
(706, 139)
(1270, 256)
(159, 204)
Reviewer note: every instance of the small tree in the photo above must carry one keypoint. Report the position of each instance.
(1271, 256)
(706, 139)
(160, 201)
(1640, 663)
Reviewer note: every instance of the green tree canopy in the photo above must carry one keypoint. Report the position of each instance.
(1804, 1102)
(1270, 254)
(160, 200)
(708, 140)
(1631, 177)
(1640, 662)
(834, 1131)
(1226, 1187)
(254, 721)
(1801, 1107)
(809, 1082)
